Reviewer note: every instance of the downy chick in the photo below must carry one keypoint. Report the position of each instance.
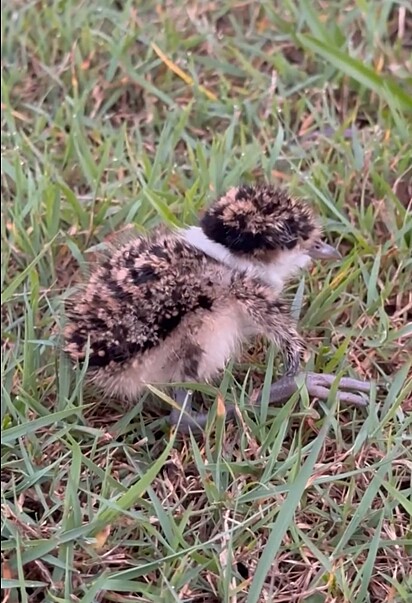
(175, 306)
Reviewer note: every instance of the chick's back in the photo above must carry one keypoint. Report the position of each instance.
(139, 296)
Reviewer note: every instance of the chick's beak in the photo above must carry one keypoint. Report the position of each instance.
(323, 251)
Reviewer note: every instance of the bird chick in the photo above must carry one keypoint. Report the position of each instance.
(177, 305)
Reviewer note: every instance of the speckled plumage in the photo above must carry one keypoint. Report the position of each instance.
(174, 307)
(259, 221)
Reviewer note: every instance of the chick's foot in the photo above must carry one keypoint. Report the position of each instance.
(350, 391)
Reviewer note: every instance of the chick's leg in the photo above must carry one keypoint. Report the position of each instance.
(183, 416)
(271, 319)
(185, 419)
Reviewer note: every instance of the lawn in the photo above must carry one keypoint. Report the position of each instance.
(133, 113)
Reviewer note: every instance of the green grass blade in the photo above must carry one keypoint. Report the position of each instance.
(285, 516)
(384, 87)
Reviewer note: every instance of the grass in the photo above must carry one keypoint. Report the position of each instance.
(119, 113)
